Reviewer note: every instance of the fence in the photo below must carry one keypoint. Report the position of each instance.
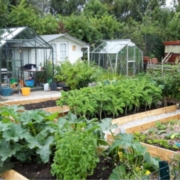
(165, 172)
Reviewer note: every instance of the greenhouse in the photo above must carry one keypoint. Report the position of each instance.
(120, 56)
(22, 51)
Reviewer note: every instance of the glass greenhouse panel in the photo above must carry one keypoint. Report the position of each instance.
(120, 56)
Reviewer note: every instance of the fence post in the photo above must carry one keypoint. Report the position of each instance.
(164, 170)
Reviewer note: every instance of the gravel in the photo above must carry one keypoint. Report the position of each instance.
(147, 119)
(122, 128)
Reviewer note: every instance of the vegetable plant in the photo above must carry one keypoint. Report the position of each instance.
(78, 74)
(131, 157)
(77, 141)
(75, 155)
(111, 99)
(25, 136)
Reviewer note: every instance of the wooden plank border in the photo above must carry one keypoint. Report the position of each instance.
(138, 116)
(29, 101)
(148, 125)
(12, 175)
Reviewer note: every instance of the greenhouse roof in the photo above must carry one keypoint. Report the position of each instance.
(21, 35)
(112, 46)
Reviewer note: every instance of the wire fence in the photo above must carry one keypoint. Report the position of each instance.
(165, 172)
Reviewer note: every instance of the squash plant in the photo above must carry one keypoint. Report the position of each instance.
(25, 136)
(132, 159)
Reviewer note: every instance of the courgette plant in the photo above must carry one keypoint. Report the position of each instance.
(131, 157)
(25, 136)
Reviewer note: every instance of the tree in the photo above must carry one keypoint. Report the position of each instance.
(3, 13)
(125, 9)
(67, 7)
(80, 27)
(25, 15)
(108, 26)
(42, 6)
(95, 9)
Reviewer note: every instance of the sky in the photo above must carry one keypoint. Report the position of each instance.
(168, 2)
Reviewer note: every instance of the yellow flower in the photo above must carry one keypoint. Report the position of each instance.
(147, 172)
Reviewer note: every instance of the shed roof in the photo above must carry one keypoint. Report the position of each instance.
(112, 46)
(51, 37)
(167, 43)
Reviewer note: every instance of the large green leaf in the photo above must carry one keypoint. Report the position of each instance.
(122, 140)
(118, 173)
(15, 132)
(7, 150)
(106, 124)
(28, 116)
(4, 126)
(44, 151)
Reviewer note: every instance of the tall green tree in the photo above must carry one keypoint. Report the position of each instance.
(67, 7)
(4, 13)
(124, 9)
(108, 26)
(25, 15)
(80, 27)
(95, 9)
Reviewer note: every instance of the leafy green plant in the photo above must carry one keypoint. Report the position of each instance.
(110, 99)
(25, 136)
(75, 155)
(131, 157)
(77, 142)
(160, 126)
(77, 75)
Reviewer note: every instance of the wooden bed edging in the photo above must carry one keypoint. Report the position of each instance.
(138, 116)
(29, 101)
(12, 175)
(163, 154)
(148, 125)
(54, 109)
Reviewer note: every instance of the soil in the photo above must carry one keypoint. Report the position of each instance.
(42, 171)
(40, 105)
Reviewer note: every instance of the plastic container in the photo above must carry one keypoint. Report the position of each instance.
(25, 91)
(46, 87)
(6, 90)
(29, 83)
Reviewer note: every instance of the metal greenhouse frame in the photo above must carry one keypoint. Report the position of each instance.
(120, 56)
(20, 46)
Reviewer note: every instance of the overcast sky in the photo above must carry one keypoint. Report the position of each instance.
(168, 2)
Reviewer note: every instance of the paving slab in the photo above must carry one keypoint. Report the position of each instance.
(32, 95)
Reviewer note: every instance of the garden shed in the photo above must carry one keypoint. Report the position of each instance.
(66, 47)
(120, 56)
(172, 52)
(19, 54)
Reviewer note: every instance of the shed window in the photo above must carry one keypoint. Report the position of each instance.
(63, 51)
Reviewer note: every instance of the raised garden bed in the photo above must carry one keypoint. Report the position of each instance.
(162, 153)
(38, 174)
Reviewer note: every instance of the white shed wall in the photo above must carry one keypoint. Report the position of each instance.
(172, 48)
(73, 50)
